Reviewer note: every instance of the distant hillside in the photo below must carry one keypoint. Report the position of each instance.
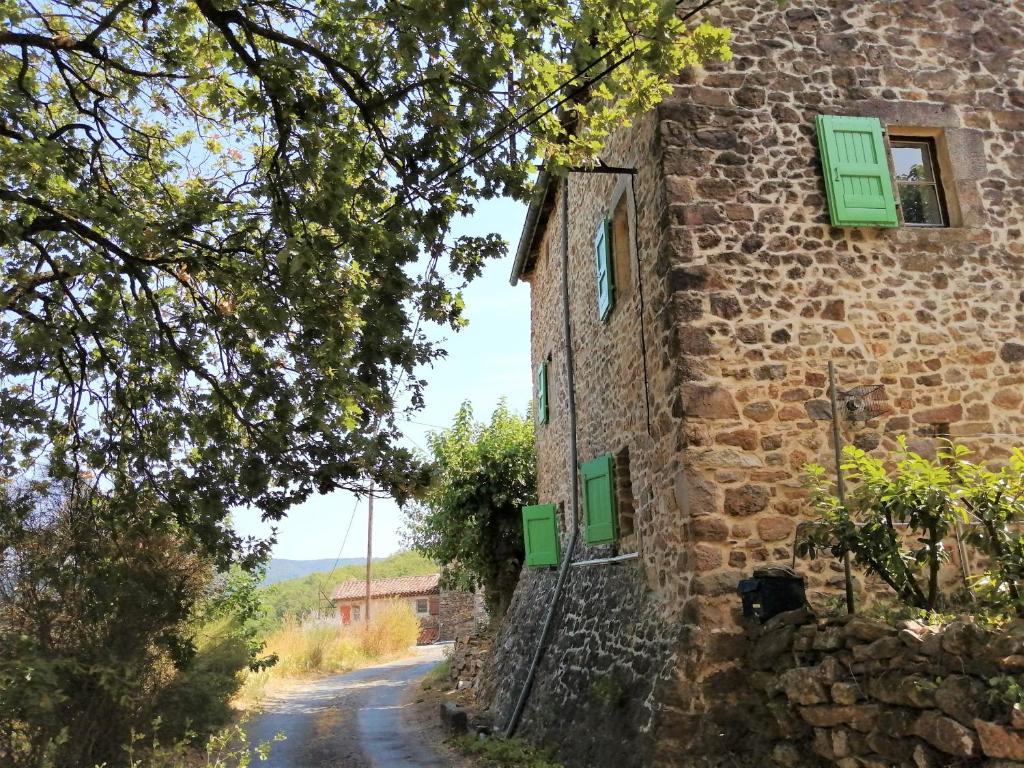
(310, 594)
(282, 570)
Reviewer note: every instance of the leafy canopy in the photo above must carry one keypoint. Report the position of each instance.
(214, 215)
(470, 519)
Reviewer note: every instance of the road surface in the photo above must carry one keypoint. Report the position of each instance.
(354, 720)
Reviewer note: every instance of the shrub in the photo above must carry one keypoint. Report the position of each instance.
(393, 628)
(98, 616)
(320, 645)
(930, 499)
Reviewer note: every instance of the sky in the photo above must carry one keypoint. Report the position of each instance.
(487, 360)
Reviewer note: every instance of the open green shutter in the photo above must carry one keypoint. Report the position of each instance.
(856, 168)
(540, 535)
(605, 271)
(542, 392)
(599, 500)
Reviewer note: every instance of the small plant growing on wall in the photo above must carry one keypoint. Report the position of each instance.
(901, 511)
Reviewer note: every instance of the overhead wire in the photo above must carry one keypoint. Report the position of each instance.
(502, 134)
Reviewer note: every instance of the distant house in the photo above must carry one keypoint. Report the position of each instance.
(442, 614)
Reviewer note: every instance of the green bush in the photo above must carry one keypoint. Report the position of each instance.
(98, 638)
(899, 515)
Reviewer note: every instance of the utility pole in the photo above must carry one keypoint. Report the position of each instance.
(369, 551)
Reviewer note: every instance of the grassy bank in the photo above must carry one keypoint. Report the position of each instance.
(321, 645)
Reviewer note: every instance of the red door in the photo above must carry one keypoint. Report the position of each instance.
(345, 611)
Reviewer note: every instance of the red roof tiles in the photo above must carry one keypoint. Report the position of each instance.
(403, 586)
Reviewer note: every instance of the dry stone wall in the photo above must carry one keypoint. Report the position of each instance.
(855, 692)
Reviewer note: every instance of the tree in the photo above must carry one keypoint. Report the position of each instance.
(470, 519)
(214, 214)
(97, 616)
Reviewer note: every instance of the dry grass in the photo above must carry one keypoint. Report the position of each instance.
(321, 646)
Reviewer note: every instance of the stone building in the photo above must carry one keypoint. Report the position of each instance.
(756, 239)
(442, 613)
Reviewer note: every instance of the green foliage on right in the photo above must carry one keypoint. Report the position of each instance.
(901, 512)
(470, 519)
(310, 595)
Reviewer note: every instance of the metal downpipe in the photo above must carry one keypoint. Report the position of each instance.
(563, 570)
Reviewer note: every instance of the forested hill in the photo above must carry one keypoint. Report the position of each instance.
(279, 569)
(310, 594)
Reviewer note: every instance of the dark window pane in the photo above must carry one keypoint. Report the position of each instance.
(920, 204)
(912, 162)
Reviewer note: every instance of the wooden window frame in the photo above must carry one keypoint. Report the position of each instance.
(945, 181)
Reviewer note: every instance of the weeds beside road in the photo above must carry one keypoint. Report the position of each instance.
(322, 646)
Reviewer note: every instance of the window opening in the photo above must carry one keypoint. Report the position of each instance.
(916, 171)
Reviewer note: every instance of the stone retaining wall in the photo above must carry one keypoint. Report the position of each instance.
(856, 692)
(468, 658)
(597, 695)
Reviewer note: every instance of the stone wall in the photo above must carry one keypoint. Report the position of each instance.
(597, 694)
(739, 295)
(459, 613)
(764, 292)
(853, 693)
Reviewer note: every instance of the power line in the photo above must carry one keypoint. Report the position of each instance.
(344, 540)
(499, 135)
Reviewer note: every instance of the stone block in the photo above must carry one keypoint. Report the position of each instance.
(946, 414)
(746, 500)
(453, 717)
(964, 698)
(707, 402)
(999, 741)
(846, 693)
(860, 628)
(860, 717)
(946, 734)
(1012, 352)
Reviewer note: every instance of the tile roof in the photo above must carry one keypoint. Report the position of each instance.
(402, 586)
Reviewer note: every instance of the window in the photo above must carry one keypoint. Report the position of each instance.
(605, 269)
(542, 392)
(422, 606)
(916, 171)
(355, 613)
(540, 535)
(859, 182)
(599, 500)
(622, 246)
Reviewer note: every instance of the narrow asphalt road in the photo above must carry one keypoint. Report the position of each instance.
(348, 721)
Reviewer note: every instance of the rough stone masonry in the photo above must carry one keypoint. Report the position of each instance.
(735, 295)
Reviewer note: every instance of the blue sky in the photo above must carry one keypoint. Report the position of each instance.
(487, 360)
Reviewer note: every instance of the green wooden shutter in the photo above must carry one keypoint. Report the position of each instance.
(856, 168)
(542, 392)
(540, 535)
(605, 270)
(599, 500)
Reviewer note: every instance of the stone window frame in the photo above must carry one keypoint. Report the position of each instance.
(356, 613)
(625, 278)
(425, 602)
(943, 170)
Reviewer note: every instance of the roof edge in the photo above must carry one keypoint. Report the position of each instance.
(533, 213)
